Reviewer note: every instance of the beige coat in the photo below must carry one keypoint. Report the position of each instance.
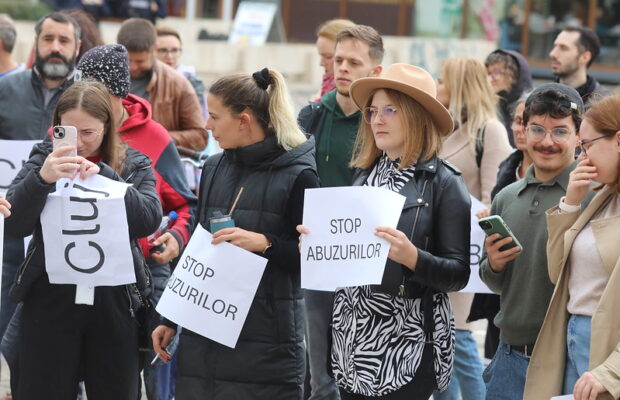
(546, 370)
(480, 182)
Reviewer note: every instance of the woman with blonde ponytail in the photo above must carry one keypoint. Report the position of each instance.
(267, 156)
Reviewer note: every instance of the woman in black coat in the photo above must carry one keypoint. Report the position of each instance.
(61, 342)
(267, 155)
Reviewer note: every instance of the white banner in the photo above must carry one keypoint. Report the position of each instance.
(342, 248)
(252, 23)
(13, 155)
(86, 235)
(1, 250)
(212, 288)
(475, 284)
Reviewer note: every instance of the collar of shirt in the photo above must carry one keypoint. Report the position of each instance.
(560, 179)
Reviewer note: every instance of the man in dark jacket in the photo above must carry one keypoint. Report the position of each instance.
(334, 122)
(27, 100)
(574, 50)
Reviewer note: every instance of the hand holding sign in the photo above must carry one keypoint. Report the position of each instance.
(5, 207)
(402, 250)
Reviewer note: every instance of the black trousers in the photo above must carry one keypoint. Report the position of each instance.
(61, 343)
(420, 388)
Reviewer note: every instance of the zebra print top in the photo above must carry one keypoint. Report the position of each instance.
(378, 339)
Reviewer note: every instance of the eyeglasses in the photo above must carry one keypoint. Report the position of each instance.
(386, 113)
(89, 136)
(538, 133)
(583, 143)
(172, 51)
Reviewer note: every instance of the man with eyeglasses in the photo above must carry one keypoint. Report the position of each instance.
(551, 119)
(168, 48)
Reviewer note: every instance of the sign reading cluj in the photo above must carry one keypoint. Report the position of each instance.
(212, 288)
(342, 248)
(85, 232)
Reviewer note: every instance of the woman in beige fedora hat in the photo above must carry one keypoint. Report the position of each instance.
(395, 340)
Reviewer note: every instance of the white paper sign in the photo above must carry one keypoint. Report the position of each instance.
(565, 397)
(475, 284)
(342, 248)
(1, 250)
(85, 233)
(252, 23)
(13, 155)
(212, 288)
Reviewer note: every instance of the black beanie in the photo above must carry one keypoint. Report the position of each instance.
(108, 64)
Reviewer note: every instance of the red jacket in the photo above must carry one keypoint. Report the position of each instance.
(149, 137)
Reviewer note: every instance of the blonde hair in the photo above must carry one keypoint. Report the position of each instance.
(272, 107)
(92, 97)
(329, 29)
(422, 138)
(472, 100)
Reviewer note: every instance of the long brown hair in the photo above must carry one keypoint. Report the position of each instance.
(92, 97)
(422, 139)
(604, 117)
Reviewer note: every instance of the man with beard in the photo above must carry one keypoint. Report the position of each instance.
(334, 122)
(27, 100)
(574, 50)
(173, 100)
(519, 275)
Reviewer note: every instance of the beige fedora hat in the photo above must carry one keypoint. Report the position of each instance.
(413, 81)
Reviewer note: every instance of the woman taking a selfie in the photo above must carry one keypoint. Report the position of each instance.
(578, 348)
(395, 340)
(267, 156)
(96, 343)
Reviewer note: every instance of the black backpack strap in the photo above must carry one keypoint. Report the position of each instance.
(480, 145)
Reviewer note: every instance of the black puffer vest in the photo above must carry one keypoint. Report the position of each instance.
(273, 330)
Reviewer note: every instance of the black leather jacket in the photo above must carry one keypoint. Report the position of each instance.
(436, 217)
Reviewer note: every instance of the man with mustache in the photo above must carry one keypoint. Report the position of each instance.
(574, 50)
(551, 119)
(27, 100)
(334, 122)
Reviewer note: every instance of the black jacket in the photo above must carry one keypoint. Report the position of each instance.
(24, 114)
(268, 361)
(436, 217)
(28, 194)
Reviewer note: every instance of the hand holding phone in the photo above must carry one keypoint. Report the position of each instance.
(502, 245)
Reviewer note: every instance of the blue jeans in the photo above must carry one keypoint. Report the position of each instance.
(505, 375)
(466, 380)
(319, 307)
(578, 333)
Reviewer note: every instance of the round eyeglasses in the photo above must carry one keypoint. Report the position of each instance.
(386, 113)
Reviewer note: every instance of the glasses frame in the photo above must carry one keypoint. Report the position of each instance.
(167, 51)
(582, 143)
(380, 113)
(93, 135)
(554, 138)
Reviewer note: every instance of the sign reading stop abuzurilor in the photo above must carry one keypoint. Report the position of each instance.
(342, 248)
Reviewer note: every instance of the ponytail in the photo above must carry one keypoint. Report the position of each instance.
(281, 114)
